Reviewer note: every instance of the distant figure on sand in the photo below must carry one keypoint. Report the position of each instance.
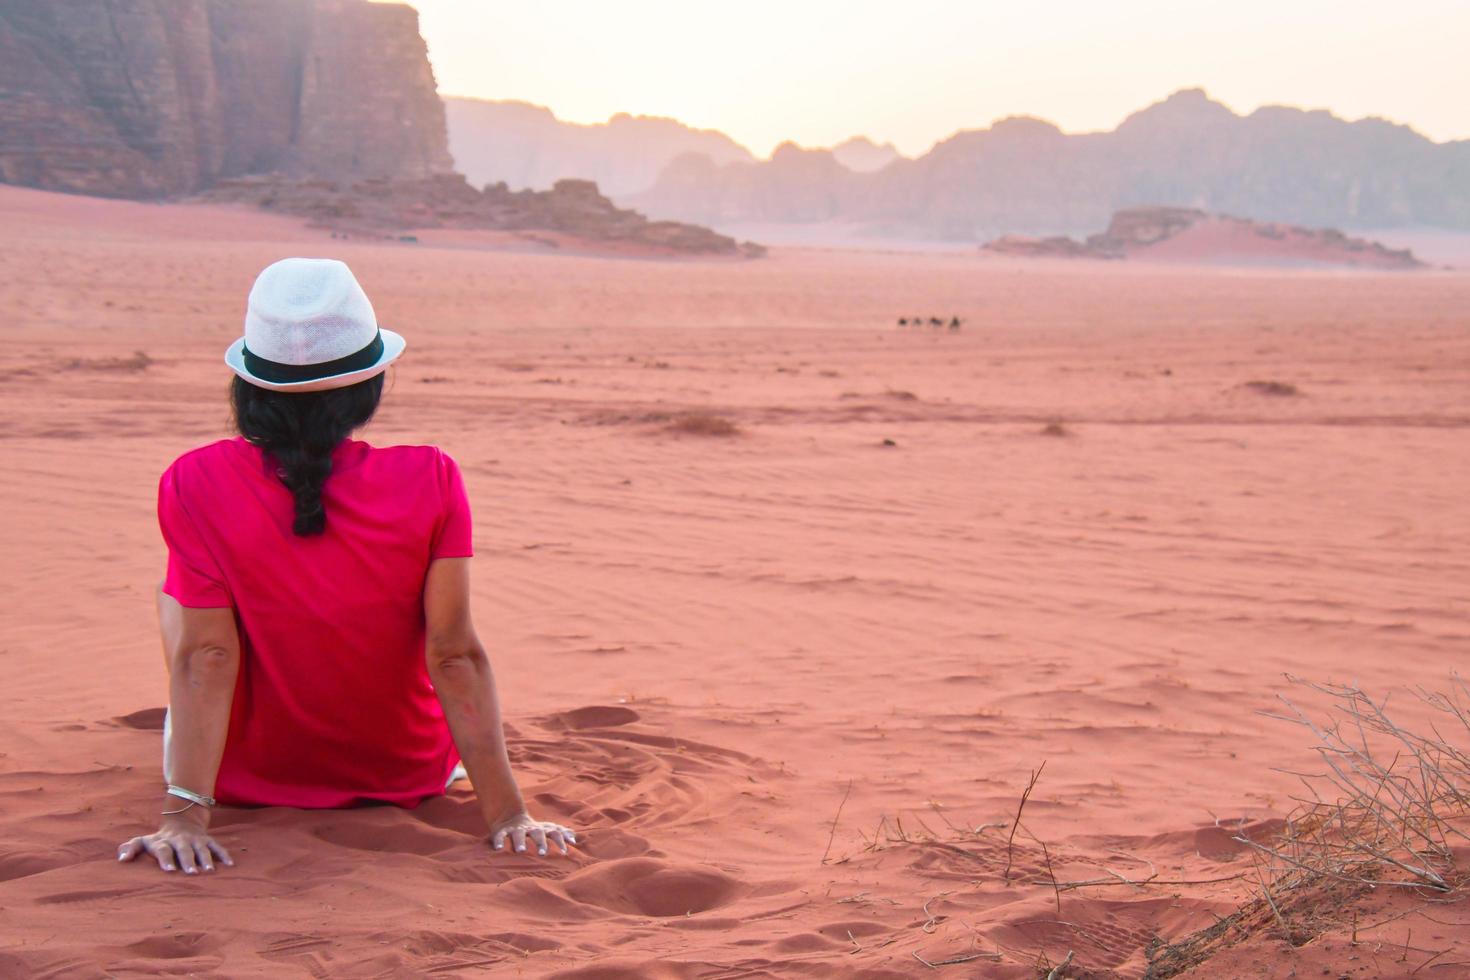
(954, 323)
(316, 608)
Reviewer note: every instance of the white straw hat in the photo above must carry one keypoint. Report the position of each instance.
(309, 327)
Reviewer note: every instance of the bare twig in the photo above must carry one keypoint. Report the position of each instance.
(1025, 795)
(1061, 968)
(1266, 892)
(1051, 875)
(953, 960)
(931, 921)
(1429, 961)
(1118, 879)
(836, 818)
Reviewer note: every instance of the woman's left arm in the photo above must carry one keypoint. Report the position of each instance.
(202, 648)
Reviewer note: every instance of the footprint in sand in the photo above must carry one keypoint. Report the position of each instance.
(23, 864)
(643, 886)
(592, 716)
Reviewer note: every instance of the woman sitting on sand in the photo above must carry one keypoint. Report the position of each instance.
(316, 609)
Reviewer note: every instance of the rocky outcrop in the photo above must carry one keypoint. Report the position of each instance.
(1026, 176)
(527, 146)
(1048, 247)
(396, 207)
(154, 98)
(1194, 236)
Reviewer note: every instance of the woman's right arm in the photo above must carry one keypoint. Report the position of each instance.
(202, 648)
(460, 671)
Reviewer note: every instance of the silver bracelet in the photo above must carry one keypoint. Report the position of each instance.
(194, 798)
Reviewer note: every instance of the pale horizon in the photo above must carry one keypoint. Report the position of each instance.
(822, 72)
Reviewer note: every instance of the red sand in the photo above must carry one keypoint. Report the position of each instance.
(705, 641)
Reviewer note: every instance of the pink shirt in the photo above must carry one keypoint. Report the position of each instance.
(333, 705)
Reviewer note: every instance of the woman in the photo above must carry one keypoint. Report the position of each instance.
(316, 612)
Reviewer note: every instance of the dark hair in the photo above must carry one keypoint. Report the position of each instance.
(299, 430)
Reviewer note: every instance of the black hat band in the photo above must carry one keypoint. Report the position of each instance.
(277, 373)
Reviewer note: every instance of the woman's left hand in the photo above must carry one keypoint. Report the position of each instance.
(521, 826)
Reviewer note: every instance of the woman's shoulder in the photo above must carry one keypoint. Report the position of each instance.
(208, 455)
(424, 459)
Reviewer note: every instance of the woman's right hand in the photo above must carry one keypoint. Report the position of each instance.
(179, 843)
(519, 827)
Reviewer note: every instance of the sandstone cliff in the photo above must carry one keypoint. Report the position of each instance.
(153, 98)
(1188, 235)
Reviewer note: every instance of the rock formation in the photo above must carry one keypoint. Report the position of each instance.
(1194, 236)
(527, 146)
(154, 98)
(397, 207)
(1026, 176)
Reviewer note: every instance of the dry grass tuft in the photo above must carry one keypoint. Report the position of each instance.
(702, 424)
(1276, 389)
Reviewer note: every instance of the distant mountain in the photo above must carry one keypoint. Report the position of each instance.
(528, 147)
(862, 155)
(796, 184)
(1025, 176)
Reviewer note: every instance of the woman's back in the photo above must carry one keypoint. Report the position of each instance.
(333, 703)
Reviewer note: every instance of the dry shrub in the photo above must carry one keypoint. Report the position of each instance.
(702, 424)
(1055, 429)
(1366, 823)
(1388, 811)
(1276, 389)
(901, 396)
(1379, 820)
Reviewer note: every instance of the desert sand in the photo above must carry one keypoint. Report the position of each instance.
(776, 678)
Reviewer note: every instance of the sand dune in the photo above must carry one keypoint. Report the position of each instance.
(709, 645)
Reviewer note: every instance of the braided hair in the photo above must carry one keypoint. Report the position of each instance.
(299, 431)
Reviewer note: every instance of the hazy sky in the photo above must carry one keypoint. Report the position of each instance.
(914, 71)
